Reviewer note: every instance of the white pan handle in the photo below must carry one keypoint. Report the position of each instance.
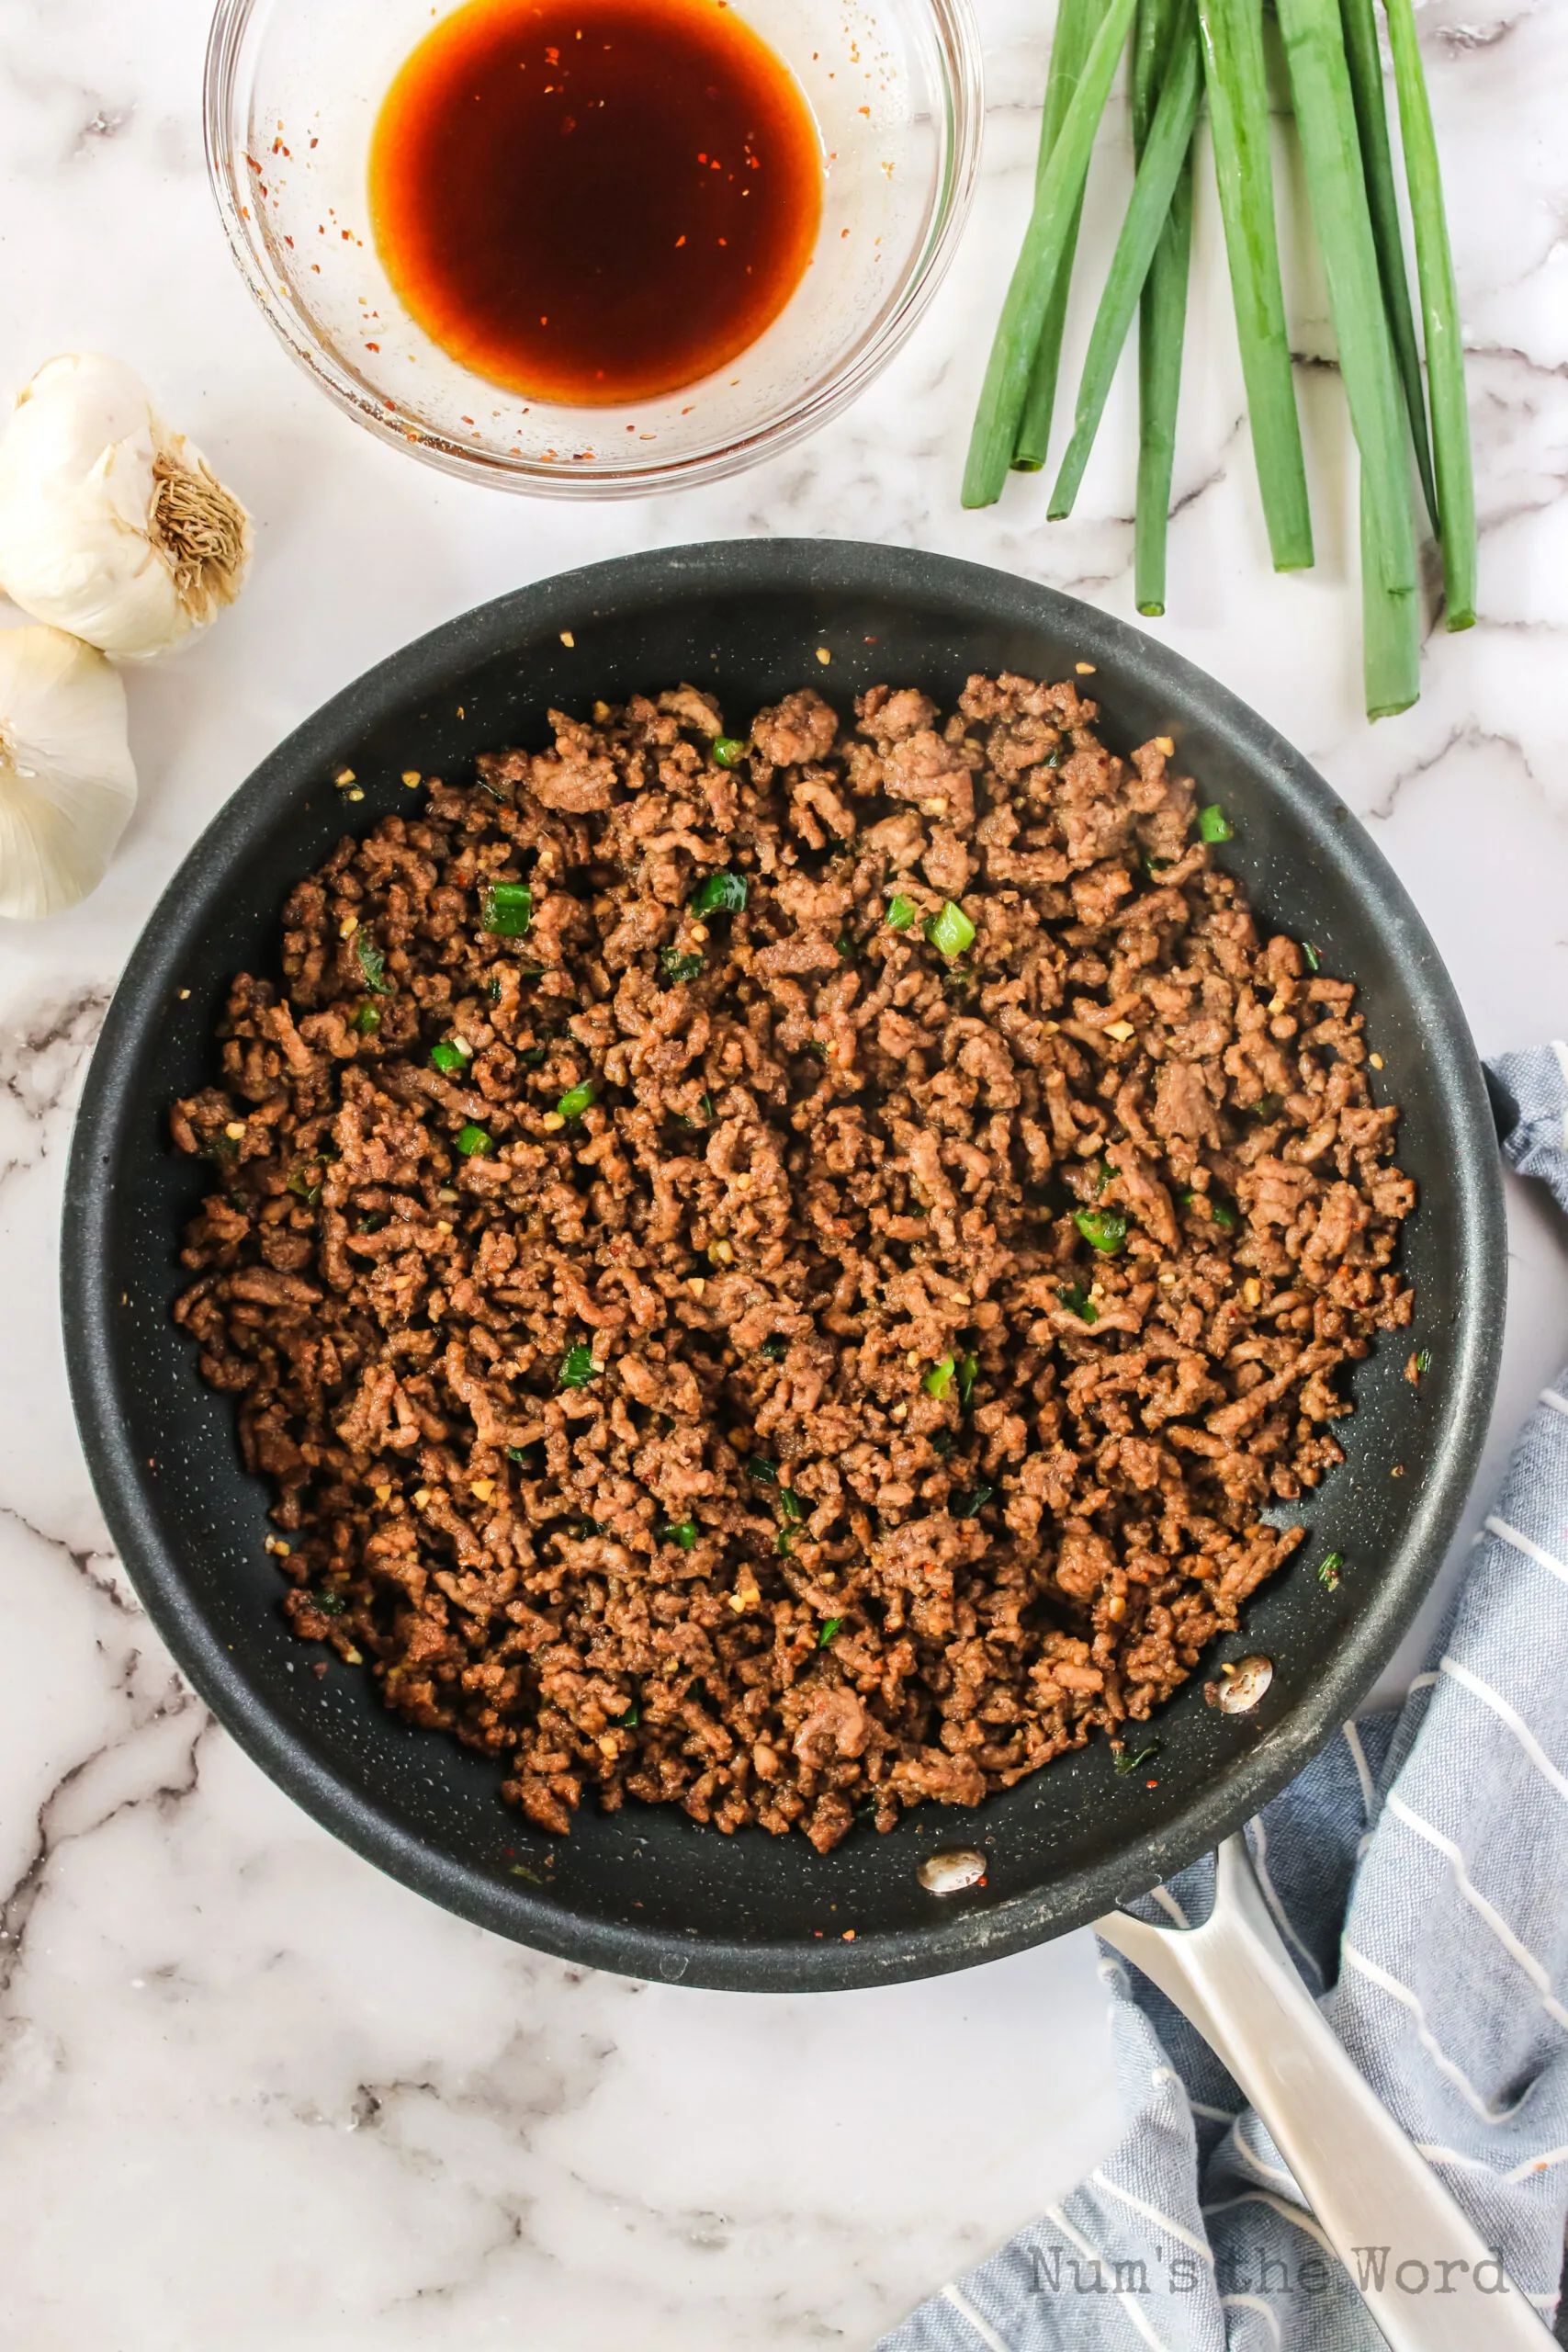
(1234, 1980)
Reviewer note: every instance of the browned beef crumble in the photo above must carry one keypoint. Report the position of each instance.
(883, 1483)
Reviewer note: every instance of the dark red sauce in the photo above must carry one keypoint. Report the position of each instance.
(595, 202)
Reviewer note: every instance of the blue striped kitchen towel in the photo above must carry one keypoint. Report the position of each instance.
(1418, 1872)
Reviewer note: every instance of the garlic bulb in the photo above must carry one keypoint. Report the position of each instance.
(67, 786)
(112, 525)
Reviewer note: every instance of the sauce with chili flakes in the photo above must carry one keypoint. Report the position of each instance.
(594, 200)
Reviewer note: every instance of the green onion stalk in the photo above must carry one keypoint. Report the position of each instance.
(1238, 113)
(1439, 312)
(1077, 23)
(1018, 330)
(1166, 153)
(1162, 316)
(1377, 163)
(1337, 191)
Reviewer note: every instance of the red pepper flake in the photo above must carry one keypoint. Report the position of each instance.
(372, 347)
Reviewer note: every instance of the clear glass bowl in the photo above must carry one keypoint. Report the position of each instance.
(293, 91)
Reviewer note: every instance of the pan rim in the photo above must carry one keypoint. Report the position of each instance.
(100, 1138)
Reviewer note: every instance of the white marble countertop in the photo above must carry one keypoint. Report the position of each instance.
(250, 2093)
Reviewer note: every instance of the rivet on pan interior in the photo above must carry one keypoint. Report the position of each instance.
(950, 1874)
(1244, 1688)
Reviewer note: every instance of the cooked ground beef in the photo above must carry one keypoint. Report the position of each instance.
(766, 1358)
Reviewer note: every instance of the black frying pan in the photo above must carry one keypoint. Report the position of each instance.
(647, 1890)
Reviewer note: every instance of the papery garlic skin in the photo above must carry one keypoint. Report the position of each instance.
(112, 525)
(67, 786)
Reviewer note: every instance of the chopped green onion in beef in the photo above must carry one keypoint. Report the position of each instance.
(1077, 1301)
(1103, 1229)
(721, 894)
(506, 908)
(951, 932)
(970, 1505)
(372, 962)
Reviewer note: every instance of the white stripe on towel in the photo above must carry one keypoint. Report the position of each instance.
(1152, 2214)
(1511, 1536)
(1358, 1758)
(1259, 1843)
(982, 2327)
(1479, 1904)
(1287, 2212)
(1252, 2303)
(1436, 2153)
(1170, 1905)
(1055, 2214)
(1504, 1714)
(1428, 2041)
